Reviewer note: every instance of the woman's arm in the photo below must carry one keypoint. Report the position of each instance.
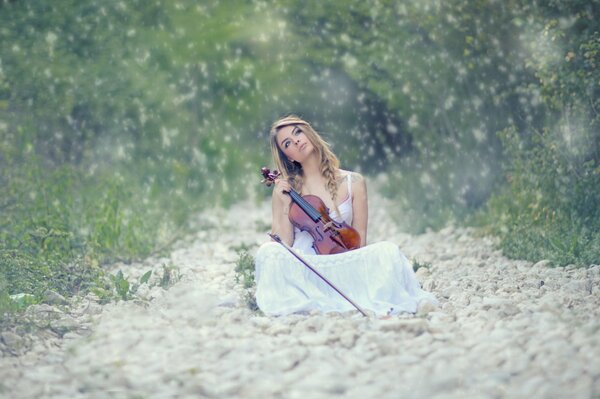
(280, 205)
(360, 211)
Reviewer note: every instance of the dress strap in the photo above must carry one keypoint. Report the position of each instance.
(349, 184)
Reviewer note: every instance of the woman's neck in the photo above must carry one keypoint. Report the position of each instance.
(311, 168)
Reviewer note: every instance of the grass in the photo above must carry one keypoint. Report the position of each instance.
(60, 225)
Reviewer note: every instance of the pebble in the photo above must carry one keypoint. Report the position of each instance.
(422, 273)
(12, 341)
(413, 326)
(278, 329)
(63, 325)
(426, 307)
(54, 298)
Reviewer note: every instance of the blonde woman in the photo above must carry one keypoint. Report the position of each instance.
(377, 276)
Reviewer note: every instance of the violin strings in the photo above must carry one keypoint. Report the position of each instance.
(310, 210)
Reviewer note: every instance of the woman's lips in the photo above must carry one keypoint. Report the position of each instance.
(302, 146)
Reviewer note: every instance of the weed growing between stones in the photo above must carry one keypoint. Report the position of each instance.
(170, 276)
(123, 289)
(244, 275)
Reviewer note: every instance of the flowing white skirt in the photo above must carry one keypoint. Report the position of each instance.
(377, 277)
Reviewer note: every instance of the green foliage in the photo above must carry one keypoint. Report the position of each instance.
(144, 279)
(121, 288)
(169, 277)
(121, 285)
(551, 206)
(244, 275)
(8, 303)
(59, 226)
(244, 269)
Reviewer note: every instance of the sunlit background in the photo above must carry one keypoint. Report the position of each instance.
(121, 119)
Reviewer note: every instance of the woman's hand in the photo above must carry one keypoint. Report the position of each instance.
(282, 187)
(281, 201)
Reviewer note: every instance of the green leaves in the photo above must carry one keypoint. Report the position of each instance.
(169, 276)
(244, 269)
(46, 238)
(146, 277)
(121, 285)
(244, 274)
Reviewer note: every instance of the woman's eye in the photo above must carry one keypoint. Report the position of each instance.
(297, 132)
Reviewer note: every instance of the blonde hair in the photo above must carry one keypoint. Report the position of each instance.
(292, 171)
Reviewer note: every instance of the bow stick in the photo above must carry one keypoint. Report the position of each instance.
(276, 238)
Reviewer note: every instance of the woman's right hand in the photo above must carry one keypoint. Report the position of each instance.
(281, 201)
(281, 189)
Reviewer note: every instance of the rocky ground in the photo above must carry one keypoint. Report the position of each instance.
(503, 329)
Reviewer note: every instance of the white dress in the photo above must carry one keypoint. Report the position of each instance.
(377, 277)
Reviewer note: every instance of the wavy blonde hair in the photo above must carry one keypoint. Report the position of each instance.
(292, 171)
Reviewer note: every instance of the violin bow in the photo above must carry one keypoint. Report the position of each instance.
(276, 238)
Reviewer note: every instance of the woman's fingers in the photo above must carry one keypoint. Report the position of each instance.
(282, 185)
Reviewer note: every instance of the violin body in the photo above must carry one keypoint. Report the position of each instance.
(333, 241)
(309, 213)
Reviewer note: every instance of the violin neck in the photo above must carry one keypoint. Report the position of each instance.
(304, 205)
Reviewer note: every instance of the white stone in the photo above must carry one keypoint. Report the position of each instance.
(426, 307)
(414, 326)
(422, 273)
(12, 341)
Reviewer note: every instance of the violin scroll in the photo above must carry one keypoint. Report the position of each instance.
(269, 177)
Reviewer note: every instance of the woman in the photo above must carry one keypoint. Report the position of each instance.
(377, 277)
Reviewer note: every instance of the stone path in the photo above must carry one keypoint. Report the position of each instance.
(504, 329)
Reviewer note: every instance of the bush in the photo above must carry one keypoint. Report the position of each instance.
(550, 208)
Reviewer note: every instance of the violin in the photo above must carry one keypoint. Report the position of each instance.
(309, 213)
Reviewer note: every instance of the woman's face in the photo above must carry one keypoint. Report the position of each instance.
(294, 143)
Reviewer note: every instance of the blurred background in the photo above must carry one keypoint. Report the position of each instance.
(121, 119)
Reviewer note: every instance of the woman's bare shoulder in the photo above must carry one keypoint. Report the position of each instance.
(355, 177)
